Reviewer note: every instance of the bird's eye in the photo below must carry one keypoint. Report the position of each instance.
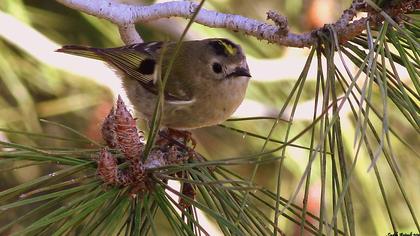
(217, 68)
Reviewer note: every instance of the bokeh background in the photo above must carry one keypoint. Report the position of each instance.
(36, 83)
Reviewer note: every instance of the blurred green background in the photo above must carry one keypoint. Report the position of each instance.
(35, 84)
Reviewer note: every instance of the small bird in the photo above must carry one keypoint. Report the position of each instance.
(206, 84)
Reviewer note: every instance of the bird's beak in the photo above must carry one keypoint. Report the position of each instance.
(240, 71)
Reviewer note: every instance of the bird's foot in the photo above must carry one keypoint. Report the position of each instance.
(181, 137)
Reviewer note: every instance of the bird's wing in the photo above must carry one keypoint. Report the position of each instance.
(138, 61)
(129, 59)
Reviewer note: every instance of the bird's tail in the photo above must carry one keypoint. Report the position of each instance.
(83, 51)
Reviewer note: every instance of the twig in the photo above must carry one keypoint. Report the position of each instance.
(280, 21)
(129, 34)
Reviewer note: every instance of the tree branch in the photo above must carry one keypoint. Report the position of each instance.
(125, 15)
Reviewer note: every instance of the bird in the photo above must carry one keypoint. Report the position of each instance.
(206, 84)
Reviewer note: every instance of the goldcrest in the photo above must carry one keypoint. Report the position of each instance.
(206, 84)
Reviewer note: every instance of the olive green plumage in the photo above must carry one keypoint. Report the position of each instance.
(207, 82)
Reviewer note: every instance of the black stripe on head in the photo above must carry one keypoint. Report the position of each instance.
(147, 66)
(224, 47)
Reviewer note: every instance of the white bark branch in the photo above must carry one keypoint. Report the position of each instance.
(125, 14)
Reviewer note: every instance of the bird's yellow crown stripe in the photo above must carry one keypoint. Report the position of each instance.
(229, 49)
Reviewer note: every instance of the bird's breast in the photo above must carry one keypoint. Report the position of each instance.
(210, 106)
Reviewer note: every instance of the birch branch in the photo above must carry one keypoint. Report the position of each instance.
(125, 15)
